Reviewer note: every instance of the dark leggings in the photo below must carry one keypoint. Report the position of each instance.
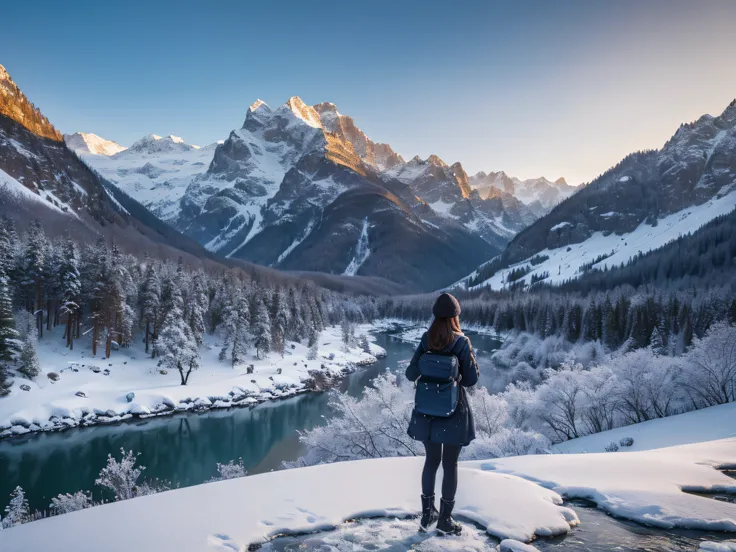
(447, 455)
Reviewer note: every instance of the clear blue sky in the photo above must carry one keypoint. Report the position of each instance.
(532, 88)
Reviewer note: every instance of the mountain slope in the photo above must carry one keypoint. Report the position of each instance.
(40, 177)
(647, 200)
(154, 170)
(291, 191)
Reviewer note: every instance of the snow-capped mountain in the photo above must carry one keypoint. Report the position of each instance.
(446, 189)
(285, 183)
(87, 143)
(649, 199)
(40, 177)
(291, 190)
(540, 194)
(155, 170)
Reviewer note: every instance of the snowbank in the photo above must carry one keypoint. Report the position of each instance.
(104, 384)
(708, 424)
(230, 515)
(643, 486)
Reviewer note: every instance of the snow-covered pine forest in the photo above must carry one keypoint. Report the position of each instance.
(99, 298)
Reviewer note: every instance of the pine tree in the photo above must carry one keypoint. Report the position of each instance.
(279, 322)
(365, 345)
(197, 308)
(150, 303)
(8, 334)
(240, 337)
(28, 364)
(261, 328)
(32, 266)
(17, 511)
(70, 288)
(313, 351)
(656, 344)
(176, 345)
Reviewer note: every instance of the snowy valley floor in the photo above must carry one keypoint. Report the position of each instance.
(104, 383)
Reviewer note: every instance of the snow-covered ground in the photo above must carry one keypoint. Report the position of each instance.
(105, 383)
(564, 262)
(499, 495)
(643, 486)
(230, 515)
(716, 422)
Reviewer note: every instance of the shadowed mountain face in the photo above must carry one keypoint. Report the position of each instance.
(648, 199)
(696, 164)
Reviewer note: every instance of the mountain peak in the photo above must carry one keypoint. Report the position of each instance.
(86, 142)
(435, 160)
(303, 111)
(15, 106)
(259, 104)
(561, 181)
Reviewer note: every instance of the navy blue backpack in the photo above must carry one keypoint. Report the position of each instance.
(437, 388)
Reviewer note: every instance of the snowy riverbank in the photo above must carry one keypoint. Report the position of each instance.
(499, 495)
(93, 390)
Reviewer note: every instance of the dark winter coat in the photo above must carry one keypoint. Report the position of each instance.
(458, 429)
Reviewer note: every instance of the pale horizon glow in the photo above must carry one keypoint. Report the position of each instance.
(534, 89)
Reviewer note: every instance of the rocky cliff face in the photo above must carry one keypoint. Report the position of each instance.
(15, 106)
(302, 188)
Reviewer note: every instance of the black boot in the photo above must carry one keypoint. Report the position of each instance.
(429, 513)
(446, 525)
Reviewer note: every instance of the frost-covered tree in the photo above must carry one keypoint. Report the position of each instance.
(656, 343)
(150, 302)
(365, 345)
(28, 364)
(32, 272)
(70, 289)
(121, 478)
(176, 345)
(17, 511)
(235, 325)
(558, 401)
(279, 322)
(8, 333)
(261, 328)
(67, 503)
(371, 427)
(710, 376)
(197, 306)
(313, 351)
(231, 470)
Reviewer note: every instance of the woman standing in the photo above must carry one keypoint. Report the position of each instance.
(444, 436)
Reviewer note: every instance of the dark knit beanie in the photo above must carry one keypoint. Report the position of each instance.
(446, 306)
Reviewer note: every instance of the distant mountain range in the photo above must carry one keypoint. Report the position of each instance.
(647, 200)
(303, 188)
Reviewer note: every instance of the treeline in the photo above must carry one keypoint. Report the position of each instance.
(112, 297)
(624, 315)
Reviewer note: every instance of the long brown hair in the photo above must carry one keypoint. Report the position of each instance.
(442, 331)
